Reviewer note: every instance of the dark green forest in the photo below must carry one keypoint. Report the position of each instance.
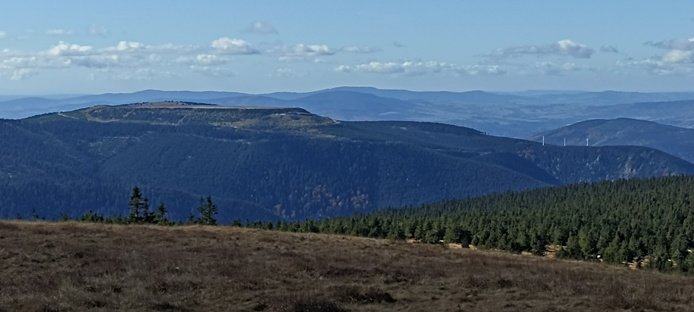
(646, 222)
(271, 164)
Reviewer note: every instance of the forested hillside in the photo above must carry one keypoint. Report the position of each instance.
(625, 131)
(648, 223)
(282, 163)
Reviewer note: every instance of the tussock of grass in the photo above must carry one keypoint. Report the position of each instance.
(75, 267)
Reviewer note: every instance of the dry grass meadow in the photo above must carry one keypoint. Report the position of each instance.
(78, 267)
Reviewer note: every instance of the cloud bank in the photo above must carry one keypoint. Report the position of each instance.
(677, 58)
(564, 47)
(419, 68)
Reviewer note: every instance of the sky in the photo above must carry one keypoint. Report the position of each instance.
(80, 47)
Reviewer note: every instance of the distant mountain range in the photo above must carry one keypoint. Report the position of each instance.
(625, 131)
(515, 114)
(278, 162)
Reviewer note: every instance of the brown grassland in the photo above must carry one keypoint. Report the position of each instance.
(75, 267)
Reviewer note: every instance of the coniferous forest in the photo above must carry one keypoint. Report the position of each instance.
(646, 223)
(279, 163)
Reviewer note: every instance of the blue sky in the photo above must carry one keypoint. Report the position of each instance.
(51, 47)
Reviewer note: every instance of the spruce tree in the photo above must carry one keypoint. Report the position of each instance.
(207, 210)
(159, 216)
(137, 206)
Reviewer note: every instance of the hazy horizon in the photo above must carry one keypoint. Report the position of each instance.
(558, 91)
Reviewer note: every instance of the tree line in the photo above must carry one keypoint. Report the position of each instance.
(140, 212)
(648, 223)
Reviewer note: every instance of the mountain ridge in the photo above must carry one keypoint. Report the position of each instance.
(286, 163)
(625, 131)
(515, 114)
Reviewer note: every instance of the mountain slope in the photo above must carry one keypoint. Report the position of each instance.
(642, 222)
(277, 163)
(678, 113)
(625, 131)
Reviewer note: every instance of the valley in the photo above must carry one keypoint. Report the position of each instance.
(277, 163)
(334, 156)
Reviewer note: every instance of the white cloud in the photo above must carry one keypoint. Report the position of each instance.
(126, 46)
(139, 74)
(360, 50)
(260, 28)
(574, 49)
(420, 68)
(678, 56)
(66, 49)
(16, 62)
(564, 47)
(3, 34)
(676, 44)
(311, 50)
(303, 52)
(209, 59)
(679, 51)
(126, 59)
(656, 66)
(375, 67)
(18, 67)
(550, 68)
(59, 32)
(677, 59)
(482, 70)
(124, 56)
(233, 46)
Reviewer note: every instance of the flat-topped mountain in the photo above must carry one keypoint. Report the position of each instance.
(625, 131)
(187, 113)
(515, 114)
(266, 163)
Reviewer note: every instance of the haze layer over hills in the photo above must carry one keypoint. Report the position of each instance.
(515, 114)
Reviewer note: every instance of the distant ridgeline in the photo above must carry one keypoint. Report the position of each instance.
(647, 223)
(673, 140)
(277, 163)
